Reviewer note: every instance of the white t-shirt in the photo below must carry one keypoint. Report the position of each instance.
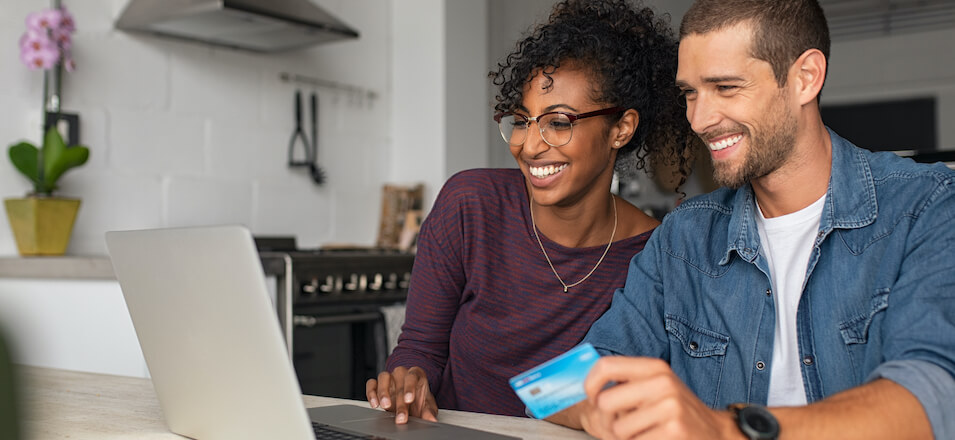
(786, 242)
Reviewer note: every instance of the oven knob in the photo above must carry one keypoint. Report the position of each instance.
(376, 282)
(352, 284)
(329, 285)
(392, 282)
(311, 287)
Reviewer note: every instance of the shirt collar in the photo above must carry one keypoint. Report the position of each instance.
(850, 199)
(850, 202)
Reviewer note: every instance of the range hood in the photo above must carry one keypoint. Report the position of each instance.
(254, 25)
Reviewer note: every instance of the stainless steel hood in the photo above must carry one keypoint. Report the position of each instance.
(255, 25)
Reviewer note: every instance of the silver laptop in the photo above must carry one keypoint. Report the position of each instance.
(199, 302)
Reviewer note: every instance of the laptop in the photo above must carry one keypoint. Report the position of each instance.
(199, 303)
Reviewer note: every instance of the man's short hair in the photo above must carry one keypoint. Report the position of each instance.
(782, 29)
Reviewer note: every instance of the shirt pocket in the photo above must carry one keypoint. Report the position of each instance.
(856, 331)
(696, 356)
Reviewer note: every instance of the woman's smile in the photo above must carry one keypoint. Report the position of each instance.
(545, 171)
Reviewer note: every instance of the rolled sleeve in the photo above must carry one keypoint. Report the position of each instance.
(931, 384)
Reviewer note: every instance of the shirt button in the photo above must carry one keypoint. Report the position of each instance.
(760, 366)
(694, 346)
(807, 360)
(769, 292)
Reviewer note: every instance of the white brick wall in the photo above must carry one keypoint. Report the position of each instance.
(183, 134)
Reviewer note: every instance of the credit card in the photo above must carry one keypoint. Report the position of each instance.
(556, 384)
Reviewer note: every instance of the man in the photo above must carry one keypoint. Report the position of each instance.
(820, 282)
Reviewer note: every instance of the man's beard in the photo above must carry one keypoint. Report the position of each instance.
(766, 152)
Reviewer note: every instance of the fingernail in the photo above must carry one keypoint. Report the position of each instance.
(374, 403)
(409, 397)
(385, 402)
(401, 418)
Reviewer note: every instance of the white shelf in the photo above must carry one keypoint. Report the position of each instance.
(68, 267)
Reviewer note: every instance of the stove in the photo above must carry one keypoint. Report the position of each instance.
(329, 305)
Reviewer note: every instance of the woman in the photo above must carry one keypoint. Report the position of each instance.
(514, 265)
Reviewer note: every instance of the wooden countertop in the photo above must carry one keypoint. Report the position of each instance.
(68, 404)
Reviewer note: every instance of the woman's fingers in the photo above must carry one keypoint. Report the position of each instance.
(429, 410)
(411, 383)
(403, 391)
(386, 390)
(371, 392)
(418, 395)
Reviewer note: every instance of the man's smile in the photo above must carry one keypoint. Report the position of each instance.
(726, 142)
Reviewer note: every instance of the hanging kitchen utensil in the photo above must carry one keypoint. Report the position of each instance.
(318, 174)
(298, 137)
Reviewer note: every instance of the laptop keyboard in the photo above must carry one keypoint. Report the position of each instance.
(325, 432)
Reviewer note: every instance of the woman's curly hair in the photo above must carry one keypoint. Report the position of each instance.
(633, 57)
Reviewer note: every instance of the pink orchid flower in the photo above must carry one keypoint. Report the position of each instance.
(46, 19)
(68, 63)
(67, 24)
(44, 58)
(48, 40)
(62, 38)
(34, 40)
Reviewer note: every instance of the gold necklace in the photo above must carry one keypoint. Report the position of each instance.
(613, 202)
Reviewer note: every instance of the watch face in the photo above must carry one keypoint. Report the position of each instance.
(758, 423)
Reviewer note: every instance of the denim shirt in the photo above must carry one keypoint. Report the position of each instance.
(878, 300)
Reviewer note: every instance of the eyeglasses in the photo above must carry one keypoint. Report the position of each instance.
(556, 128)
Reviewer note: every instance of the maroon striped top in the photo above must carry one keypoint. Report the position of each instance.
(483, 305)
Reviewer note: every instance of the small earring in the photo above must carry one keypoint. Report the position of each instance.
(616, 144)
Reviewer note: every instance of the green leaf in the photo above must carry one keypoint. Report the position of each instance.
(58, 158)
(72, 157)
(24, 158)
(53, 148)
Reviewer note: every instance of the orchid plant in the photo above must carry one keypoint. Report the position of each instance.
(47, 45)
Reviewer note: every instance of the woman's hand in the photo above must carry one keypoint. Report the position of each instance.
(404, 391)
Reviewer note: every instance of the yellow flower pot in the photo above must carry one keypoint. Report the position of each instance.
(42, 226)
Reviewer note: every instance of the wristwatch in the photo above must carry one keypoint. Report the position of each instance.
(755, 421)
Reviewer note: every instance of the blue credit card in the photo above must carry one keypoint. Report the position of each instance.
(556, 384)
